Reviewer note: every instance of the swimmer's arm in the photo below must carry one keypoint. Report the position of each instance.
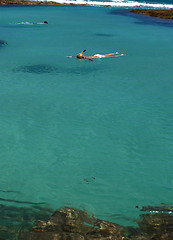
(70, 56)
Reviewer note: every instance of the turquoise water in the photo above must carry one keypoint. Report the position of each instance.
(95, 135)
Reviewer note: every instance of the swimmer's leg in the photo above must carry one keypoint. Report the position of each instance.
(120, 55)
(110, 54)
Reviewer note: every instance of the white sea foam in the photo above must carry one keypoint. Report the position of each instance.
(117, 3)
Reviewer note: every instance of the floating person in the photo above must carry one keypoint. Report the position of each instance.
(108, 55)
(45, 22)
(27, 23)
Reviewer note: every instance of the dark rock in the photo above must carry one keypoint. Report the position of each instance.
(156, 224)
(51, 236)
(2, 42)
(25, 2)
(70, 223)
(73, 224)
(160, 13)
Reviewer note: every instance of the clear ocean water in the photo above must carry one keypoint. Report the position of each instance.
(95, 135)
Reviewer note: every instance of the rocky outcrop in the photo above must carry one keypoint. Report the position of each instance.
(73, 224)
(34, 3)
(39, 222)
(160, 13)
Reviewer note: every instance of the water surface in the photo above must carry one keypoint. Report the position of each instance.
(95, 135)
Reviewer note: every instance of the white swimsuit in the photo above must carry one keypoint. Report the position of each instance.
(98, 55)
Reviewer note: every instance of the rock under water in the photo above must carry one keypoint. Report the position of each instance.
(47, 69)
(42, 223)
(38, 68)
(2, 43)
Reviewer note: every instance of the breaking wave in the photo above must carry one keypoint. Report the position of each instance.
(117, 3)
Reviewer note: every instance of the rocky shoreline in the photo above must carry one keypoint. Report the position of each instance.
(160, 13)
(32, 3)
(42, 223)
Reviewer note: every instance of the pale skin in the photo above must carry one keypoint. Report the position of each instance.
(35, 23)
(41, 23)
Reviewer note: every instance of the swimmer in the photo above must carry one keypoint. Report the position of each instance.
(27, 23)
(108, 55)
(45, 22)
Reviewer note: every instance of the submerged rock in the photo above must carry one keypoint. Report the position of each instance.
(45, 68)
(70, 223)
(38, 68)
(41, 223)
(2, 43)
(158, 209)
(156, 226)
(14, 219)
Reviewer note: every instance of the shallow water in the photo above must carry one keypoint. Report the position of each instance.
(95, 135)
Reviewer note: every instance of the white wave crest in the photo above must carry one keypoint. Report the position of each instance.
(117, 3)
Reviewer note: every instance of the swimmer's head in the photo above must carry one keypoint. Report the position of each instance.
(80, 56)
(45, 22)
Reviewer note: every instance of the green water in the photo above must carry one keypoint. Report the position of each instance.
(95, 135)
